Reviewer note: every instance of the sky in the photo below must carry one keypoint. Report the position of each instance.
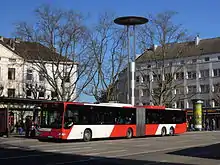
(197, 16)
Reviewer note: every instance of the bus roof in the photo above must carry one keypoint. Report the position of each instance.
(112, 105)
(122, 105)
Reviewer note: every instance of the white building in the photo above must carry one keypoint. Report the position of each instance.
(196, 74)
(29, 70)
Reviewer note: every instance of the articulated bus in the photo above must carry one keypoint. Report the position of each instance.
(70, 120)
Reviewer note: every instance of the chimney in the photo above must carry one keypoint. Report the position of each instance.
(11, 44)
(17, 40)
(154, 47)
(1, 38)
(197, 39)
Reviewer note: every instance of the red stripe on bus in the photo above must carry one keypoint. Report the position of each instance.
(180, 128)
(121, 130)
(151, 129)
(66, 132)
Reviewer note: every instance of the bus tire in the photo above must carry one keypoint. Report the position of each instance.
(129, 133)
(163, 131)
(87, 136)
(171, 132)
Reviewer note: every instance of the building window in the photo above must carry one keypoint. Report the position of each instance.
(204, 73)
(145, 92)
(206, 58)
(156, 91)
(180, 104)
(168, 77)
(66, 77)
(157, 77)
(192, 89)
(12, 59)
(29, 74)
(192, 75)
(11, 92)
(146, 78)
(216, 72)
(218, 57)
(180, 75)
(194, 60)
(206, 103)
(137, 79)
(41, 77)
(182, 62)
(53, 94)
(216, 88)
(180, 91)
(204, 88)
(216, 103)
(28, 93)
(11, 73)
(41, 93)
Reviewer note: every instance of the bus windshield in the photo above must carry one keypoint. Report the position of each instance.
(51, 116)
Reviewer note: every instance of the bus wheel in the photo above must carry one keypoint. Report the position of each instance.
(129, 133)
(171, 133)
(87, 136)
(163, 131)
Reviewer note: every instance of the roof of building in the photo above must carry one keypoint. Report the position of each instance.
(32, 50)
(185, 49)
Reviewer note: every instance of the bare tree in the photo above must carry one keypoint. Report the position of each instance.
(107, 46)
(164, 60)
(59, 39)
(34, 90)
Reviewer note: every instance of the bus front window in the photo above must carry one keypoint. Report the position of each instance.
(71, 117)
(51, 117)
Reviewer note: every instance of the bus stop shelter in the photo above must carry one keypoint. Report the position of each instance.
(15, 104)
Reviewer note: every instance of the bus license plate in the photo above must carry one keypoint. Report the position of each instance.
(50, 136)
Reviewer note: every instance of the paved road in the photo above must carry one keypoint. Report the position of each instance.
(191, 148)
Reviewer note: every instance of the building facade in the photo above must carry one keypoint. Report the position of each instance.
(195, 74)
(25, 68)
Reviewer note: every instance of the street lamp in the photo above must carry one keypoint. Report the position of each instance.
(131, 21)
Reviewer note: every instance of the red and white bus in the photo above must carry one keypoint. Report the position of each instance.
(69, 120)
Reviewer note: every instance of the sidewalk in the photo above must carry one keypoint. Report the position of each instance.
(195, 132)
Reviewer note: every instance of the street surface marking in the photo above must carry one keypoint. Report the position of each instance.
(165, 149)
(71, 152)
(142, 145)
(46, 154)
(132, 154)
(75, 149)
(107, 152)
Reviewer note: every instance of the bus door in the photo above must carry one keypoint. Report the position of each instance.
(140, 122)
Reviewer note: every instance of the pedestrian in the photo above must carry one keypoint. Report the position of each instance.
(28, 124)
(19, 127)
(213, 124)
(207, 124)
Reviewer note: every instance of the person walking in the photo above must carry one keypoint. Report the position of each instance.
(28, 124)
(213, 125)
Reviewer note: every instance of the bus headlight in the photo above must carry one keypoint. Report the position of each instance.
(61, 134)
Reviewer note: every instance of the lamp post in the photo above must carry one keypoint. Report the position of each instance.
(131, 21)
